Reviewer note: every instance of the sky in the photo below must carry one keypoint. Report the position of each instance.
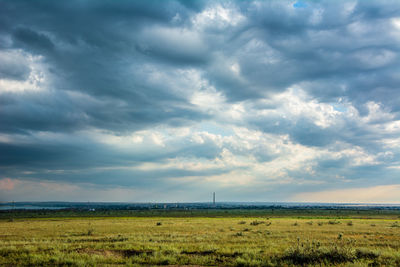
(169, 101)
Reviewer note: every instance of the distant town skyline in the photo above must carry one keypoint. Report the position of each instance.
(170, 101)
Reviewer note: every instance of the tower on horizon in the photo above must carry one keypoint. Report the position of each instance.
(214, 198)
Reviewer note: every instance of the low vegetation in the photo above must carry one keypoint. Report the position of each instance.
(225, 241)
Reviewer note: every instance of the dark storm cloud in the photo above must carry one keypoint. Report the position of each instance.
(92, 48)
(13, 67)
(33, 40)
(99, 48)
(118, 67)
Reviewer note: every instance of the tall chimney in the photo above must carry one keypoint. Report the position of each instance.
(214, 198)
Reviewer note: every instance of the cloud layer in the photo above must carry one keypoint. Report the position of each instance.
(172, 100)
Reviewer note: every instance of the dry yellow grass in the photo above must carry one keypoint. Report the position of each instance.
(199, 241)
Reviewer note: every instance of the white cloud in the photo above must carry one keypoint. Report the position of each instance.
(209, 100)
(396, 23)
(218, 17)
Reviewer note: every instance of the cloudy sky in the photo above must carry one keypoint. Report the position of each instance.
(172, 100)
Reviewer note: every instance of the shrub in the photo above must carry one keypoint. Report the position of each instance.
(313, 253)
(340, 236)
(362, 253)
(242, 222)
(90, 230)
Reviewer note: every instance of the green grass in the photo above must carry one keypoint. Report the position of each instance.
(227, 241)
(319, 213)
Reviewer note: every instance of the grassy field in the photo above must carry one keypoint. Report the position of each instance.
(223, 241)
